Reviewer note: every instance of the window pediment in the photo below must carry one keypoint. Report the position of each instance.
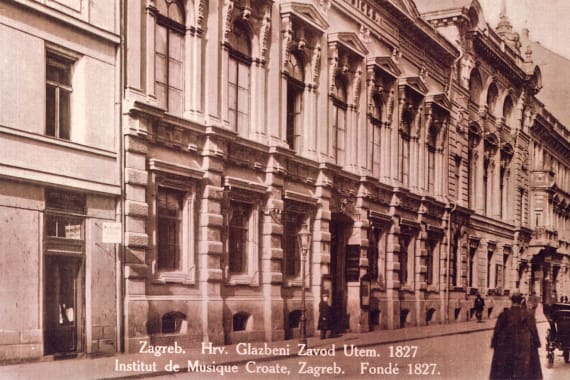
(348, 41)
(439, 102)
(385, 65)
(307, 14)
(414, 85)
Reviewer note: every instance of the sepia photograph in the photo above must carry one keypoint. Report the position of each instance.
(293, 189)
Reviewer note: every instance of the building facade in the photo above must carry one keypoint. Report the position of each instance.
(407, 137)
(59, 178)
(399, 133)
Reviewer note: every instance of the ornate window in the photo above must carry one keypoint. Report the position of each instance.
(173, 206)
(294, 217)
(295, 88)
(58, 95)
(376, 140)
(492, 95)
(473, 245)
(241, 219)
(405, 135)
(475, 86)
(490, 275)
(239, 236)
(339, 104)
(169, 204)
(239, 73)
(472, 165)
(430, 268)
(432, 141)
(169, 55)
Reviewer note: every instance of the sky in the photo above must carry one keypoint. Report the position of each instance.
(547, 20)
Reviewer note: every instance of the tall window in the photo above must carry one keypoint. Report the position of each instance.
(472, 168)
(295, 86)
(472, 257)
(292, 225)
(58, 95)
(486, 169)
(431, 160)
(375, 141)
(490, 252)
(405, 131)
(239, 236)
(430, 246)
(457, 172)
(339, 103)
(239, 78)
(453, 261)
(169, 56)
(169, 236)
(374, 253)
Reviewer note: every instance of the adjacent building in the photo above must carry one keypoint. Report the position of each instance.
(411, 139)
(59, 178)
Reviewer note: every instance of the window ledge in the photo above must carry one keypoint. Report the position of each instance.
(242, 279)
(174, 277)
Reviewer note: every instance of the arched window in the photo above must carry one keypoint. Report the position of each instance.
(239, 77)
(472, 162)
(475, 86)
(169, 56)
(339, 117)
(295, 87)
(432, 141)
(492, 95)
(405, 135)
(376, 140)
(508, 110)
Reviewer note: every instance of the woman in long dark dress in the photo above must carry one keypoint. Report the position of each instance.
(515, 343)
(324, 316)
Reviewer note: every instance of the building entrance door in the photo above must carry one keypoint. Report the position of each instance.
(63, 312)
(340, 229)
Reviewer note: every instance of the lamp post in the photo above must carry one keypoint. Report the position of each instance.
(304, 241)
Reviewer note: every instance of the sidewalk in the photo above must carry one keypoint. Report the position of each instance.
(107, 367)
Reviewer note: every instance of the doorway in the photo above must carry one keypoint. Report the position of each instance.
(341, 229)
(63, 315)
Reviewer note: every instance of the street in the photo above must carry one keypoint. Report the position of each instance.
(463, 356)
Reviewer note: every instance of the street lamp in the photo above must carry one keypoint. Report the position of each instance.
(304, 241)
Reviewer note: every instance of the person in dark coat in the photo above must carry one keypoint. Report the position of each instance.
(325, 322)
(515, 342)
(479, 306)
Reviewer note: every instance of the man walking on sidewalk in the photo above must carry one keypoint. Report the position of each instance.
(479, 306)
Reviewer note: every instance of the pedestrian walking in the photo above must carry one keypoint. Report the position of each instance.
(479, 306)
(515, 343)
(325, 322)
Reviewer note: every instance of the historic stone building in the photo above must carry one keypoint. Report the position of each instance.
(246, 120)
(59, 178)
(411, 139)
(511, 157)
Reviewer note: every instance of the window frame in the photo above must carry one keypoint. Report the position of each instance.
(185, 273)
(55, 56)
(250, 275)
(245, 61)
(170, 26)
(302, 216)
